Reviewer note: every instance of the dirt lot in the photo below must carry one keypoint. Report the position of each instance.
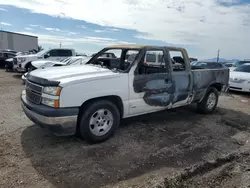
(177, 148)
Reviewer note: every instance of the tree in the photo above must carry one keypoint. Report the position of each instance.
(40, 48)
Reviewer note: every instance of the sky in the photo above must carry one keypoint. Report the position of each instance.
(200, 26)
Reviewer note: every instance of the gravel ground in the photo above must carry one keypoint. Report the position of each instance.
(176, 148)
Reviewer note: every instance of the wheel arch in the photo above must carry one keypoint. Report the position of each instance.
(27, 64)
(215, 85)
(116, 100)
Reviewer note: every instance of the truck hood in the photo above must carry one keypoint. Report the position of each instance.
(27, 56)
(68, 74)
(240, 75)
(44, 63)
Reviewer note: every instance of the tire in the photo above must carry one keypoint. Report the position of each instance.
(93, 113)
(209, 102)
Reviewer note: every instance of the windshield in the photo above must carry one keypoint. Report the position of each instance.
(80, 61)
(66, 59)
(243, 68)
(72, 60)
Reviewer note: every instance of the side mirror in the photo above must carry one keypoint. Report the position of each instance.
(46, 56)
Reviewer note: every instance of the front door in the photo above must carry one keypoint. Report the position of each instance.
(151, 86)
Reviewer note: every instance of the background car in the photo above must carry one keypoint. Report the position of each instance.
(240, 78)
(4, 56)
(49, 63)
(206, 65)
(9, 63)
(8, 50)
(239, 63)
(70, 61)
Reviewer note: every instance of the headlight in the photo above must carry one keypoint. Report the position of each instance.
(52, 90)
(51, 102)
(21, 59)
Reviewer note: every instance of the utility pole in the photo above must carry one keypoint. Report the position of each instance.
(218, 55)
(60, 44)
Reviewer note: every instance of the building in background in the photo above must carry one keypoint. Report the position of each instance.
(17, 41)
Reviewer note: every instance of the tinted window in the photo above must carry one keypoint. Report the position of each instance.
(150, 58)
(243, 68)
(66, 53)
(53, 53)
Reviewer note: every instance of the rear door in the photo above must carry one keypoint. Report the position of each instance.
(182, 77)
(151, 87)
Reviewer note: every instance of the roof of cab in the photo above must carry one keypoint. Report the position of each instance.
(138, 46)
(129, 46)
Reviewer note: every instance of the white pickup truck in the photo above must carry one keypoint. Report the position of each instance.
(91, 99)
(23, 63)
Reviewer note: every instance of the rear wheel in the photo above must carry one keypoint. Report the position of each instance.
(99, 121)
(209, 102)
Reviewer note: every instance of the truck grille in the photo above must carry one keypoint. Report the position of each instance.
(15, 61)
(33, 92)
(34, 87)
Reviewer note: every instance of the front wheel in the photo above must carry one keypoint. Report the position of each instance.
(209, 102)
(99, 121)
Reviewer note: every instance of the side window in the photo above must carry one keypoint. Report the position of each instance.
(151, 63)
(115, 53)
(5, 55)
(131, 55)
(65, 53)
(1, 54)
(177, 60)
(53, 53)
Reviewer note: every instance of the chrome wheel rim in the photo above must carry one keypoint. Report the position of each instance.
(101, 122)
(211, 101)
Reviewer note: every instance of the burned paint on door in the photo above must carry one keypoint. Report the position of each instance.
(158, 90)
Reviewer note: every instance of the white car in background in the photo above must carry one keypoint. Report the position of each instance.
(240, 78)
(23, 63)
(49, 63)
(74, 60)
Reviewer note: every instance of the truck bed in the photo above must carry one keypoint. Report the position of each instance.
(202, 78)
